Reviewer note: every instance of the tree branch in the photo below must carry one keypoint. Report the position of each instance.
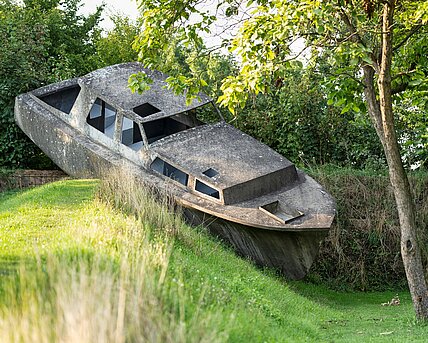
(355, 37)
(373, 107)
(291, 58)
(347, 75)
(400, 88)
(410, 34)
(403, 73)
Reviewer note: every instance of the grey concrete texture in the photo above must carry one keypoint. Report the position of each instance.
(111, 83)
(246, 168)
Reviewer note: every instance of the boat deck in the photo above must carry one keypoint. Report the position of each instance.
(305, 196)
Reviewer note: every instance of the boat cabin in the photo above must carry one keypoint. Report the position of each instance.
(159, 131)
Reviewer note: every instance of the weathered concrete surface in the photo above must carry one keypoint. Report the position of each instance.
(112, 84)
(292, 253)
(246, 168)
(304, 195)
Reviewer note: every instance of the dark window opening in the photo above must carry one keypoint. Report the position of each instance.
(62, 99)
(161, 128)
(131, 134)
(205, 189)
(210, 172)
(170, 171)
(145, 110)
(102, 117)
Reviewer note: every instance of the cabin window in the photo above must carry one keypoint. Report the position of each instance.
(170, 171)
(102, 117)
(210, 172)
(131, 134)
(62, 99)
(161, 128)
(145, 110)
(205, 189)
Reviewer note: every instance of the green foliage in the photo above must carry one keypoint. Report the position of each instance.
(163, 38)
(263, 45)
(139, 82)
(297, 121)
(115, 46)
(412, 122)
(41, 43)
(187, 71)
(343, 35)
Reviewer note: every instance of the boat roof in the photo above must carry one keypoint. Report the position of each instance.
(112, 84)
(237, 157)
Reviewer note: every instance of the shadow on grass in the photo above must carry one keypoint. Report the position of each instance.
(347, 300)
(58, 194)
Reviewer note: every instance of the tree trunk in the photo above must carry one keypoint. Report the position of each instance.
(372, 103)
(406, 210)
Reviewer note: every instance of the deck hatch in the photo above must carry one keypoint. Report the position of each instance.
(205, 189)
(170, 171)
(281, 212)
(210, 172)
(145, 110)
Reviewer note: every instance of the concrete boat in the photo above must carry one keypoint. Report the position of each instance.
(244, 192)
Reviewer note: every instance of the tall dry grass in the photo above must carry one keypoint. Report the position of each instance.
(362, 250)
(114, 286)
(151, 206)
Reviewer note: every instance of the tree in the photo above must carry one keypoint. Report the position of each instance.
(295, 120)
(376, 47)
(42, 43)
(116, 46)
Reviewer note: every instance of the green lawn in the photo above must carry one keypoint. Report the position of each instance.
(75, 269)
(38, 220)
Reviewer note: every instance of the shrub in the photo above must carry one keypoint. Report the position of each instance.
(362, 250)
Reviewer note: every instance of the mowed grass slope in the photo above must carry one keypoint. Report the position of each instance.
(75, 268)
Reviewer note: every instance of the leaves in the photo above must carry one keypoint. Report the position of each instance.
(139, 82)
(41, 44)
(345, 34)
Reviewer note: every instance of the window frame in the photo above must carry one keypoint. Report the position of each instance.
(205, 195)
(187, 175)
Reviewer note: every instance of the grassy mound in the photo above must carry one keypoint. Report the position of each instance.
(75, 268)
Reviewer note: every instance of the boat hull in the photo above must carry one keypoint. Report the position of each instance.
(290, 252)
